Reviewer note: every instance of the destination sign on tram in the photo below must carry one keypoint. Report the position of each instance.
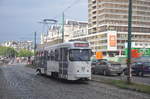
(81, 45)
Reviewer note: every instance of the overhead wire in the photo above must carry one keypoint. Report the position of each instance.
(68, 7)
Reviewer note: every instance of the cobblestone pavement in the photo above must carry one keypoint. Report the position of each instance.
(19, 82)
(137, 79)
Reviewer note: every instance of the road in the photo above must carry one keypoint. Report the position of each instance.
(20, 82)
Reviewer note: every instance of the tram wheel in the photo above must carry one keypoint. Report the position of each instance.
(38, 72)
(54, 74)
(141, 74)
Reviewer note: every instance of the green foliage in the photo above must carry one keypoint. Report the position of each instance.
(10, 52)
(25, 53)
(7, 52)
(132, 86)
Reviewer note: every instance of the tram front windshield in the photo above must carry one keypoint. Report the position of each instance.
(80, 54)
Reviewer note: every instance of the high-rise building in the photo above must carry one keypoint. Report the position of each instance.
(108, 24)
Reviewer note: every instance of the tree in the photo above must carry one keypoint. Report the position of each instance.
(25, 53)
(7, 51)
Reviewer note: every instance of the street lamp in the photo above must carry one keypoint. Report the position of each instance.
(35, 42)
(63, 27)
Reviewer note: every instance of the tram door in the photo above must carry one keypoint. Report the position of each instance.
(63, 62)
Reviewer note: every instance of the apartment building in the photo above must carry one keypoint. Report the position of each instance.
(108, 24)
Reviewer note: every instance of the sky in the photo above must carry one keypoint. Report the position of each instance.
(19, 19)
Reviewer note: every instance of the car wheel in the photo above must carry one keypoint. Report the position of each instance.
(137, 74)
(119, 74)
(92, 71)
(141, 74)
(38, 72)
(123, 73)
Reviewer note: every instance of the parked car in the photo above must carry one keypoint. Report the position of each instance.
(106, 68)
(96, 61)
(139, 68)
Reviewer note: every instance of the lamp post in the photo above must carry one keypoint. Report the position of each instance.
(35, 46)
(129, 41)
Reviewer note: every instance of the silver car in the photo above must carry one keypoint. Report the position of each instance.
(107, 68)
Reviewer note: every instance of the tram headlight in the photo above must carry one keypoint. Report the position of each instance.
(77, 70)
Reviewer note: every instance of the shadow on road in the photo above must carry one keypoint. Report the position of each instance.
(64, 80)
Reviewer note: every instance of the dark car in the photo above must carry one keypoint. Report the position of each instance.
(139, 68)
(106, 68)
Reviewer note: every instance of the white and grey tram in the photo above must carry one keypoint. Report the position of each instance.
(70, 60)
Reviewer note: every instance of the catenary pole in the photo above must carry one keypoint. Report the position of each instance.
(129, 41)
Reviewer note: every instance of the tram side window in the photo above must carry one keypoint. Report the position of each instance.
(37, 55)
(56, 55)
(63, 54)
(52, 56)
(45, 55)
(48, 56)
(42, 54)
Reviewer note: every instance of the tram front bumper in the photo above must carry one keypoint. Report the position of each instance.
(88, 76)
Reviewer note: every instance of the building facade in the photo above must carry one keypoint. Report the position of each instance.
(107, 29)
(18, 45)
(108, 24)
(72, 29)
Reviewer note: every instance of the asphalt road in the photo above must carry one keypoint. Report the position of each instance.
(19, 82)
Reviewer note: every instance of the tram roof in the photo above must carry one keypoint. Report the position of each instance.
(66, 44)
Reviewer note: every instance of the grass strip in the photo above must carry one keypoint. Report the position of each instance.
(132, 86)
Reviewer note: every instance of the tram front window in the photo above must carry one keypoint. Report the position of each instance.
(80, 55)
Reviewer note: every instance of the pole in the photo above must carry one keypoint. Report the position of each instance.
(62, 27)
(34, 44)
(129, 41)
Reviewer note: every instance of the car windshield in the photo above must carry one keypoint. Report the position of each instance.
(80, 55)
(147, 64)
(114, 63)
(99, 60)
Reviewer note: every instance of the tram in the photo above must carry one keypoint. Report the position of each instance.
(69, 60)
